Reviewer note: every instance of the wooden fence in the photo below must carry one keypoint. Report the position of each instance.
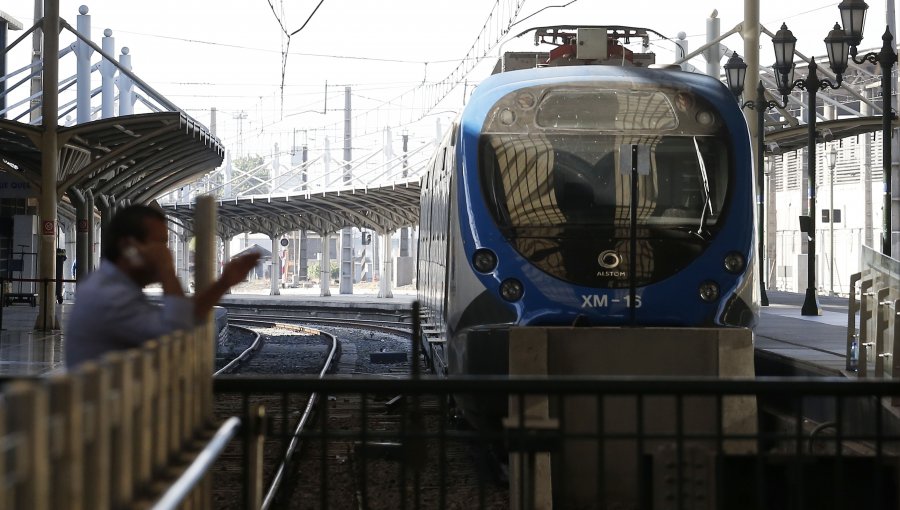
(111, 434)
(119, 432)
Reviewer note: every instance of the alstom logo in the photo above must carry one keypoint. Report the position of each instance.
(609, 259)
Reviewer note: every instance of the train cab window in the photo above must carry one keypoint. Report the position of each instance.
(692, 178)
(554, 180)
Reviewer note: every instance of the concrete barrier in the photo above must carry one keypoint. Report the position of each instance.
(537, 479)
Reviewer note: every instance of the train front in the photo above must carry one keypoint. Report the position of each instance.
(600, 196)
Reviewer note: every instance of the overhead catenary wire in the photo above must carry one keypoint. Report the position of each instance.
(496, 26)
(287, 46)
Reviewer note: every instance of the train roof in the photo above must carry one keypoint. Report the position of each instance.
(529, 77)
(581, 45)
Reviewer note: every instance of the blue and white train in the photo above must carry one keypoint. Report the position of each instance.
(587, 196)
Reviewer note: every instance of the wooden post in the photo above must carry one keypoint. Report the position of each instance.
(175, 396)
(121, 369)
(183, 342)
(146, 379)
(28, 419)
(163, 429)
(96, 432)
(256, 437)
(67, 442)
(205, 274)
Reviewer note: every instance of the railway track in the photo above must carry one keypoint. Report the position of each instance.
(283, 343)
(266, 355)
(350, 455)
(308, 312)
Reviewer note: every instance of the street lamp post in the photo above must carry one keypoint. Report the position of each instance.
(836, 44)
(735, 72)
(853, 16)
(832, 158)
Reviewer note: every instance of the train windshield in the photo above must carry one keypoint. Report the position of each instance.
(640, 176)
(549, 181)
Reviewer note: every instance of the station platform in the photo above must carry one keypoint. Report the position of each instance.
(790, 344)
(787, 343)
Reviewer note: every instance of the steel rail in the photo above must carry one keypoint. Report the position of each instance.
(248, 352)
(295, 440)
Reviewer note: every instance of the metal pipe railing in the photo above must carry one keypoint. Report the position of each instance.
(181, 489)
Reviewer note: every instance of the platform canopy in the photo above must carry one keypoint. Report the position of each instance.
(797, 137)
(383, 209)
(133, 157)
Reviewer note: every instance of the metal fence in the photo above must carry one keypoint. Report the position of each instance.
(661, 443)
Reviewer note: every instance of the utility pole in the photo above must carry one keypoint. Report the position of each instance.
(207, 184)
(404, 232)
(346, 286)
(240, 116)
(302, 269)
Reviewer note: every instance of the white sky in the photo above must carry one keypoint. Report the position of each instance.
(227, 54)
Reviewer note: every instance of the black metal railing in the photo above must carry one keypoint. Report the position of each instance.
(594, 442)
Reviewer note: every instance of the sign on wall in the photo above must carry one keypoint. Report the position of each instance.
(13, 187)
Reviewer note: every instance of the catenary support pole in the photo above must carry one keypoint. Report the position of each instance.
(275, 266)
(384, 285)
(347, 269)
(325, 266)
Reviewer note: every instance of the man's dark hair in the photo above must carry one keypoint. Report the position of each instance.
(128, 222)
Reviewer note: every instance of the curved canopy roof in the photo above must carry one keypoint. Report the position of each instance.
(797, 137)
(135, 157)
(383, 209)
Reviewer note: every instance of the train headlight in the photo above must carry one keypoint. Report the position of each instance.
(705, 118)
(484, 260)
(525, 100)
(507, 117)
(709, 291)
(511, 289)
(734, 262)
